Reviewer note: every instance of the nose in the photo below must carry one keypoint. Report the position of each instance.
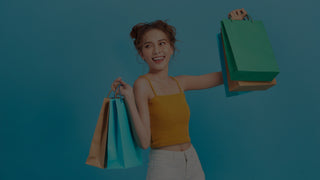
(156, 49)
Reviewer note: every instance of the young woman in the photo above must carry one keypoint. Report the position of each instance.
(157, 105)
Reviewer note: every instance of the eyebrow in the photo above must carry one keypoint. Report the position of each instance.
(158, 40)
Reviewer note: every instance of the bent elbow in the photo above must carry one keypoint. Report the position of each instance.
(145, 146)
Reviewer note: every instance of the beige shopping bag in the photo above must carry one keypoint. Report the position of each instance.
(97, 155)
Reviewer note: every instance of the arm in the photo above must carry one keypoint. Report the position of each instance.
(139, 111)
(204, 81)
(212, 79)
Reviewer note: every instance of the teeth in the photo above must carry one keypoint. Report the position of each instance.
(159, 58)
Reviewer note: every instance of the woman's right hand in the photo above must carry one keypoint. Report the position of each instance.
(125, 89)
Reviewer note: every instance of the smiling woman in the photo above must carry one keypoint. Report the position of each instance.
(156, 49)
(159, 109)
(157, 104)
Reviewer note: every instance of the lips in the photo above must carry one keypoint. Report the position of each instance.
(158, 58)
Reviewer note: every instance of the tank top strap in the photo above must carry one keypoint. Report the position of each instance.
(177, 83)
(150, 84)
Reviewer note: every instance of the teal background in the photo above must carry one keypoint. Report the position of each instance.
(59, 58)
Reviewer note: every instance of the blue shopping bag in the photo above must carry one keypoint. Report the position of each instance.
(122, 150)
(224, 72)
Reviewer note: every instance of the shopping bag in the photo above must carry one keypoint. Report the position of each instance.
(123, 151)
(113, 146)
(130, 150)
(97, 154)
(248, 50)
(245, 85)
(224, 70)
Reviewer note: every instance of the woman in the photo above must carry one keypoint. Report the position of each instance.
(157, 105)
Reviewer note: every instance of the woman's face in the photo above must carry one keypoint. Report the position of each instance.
(156, 49)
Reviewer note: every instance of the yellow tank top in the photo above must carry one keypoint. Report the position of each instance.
(169, 118)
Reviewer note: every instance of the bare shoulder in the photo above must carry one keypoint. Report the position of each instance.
(181, 80)
(141, 87)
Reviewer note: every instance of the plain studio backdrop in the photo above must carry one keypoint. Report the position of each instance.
(59, 58)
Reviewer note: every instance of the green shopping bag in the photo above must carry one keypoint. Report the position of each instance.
(122, 151)
(224, 71)
(248, 50)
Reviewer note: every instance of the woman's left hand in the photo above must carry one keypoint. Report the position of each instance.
(237, 14)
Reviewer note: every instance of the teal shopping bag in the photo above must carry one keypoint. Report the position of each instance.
(122, 151)
(224, 70)
(114, 155)
(248, 49)
(130, 150)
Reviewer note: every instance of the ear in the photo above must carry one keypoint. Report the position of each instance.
(172, 50)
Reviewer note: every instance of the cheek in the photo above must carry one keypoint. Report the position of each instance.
(145, 53)
(169, 51)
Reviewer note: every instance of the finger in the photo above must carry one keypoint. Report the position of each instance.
(123, 83)
(115, 85)
(237, 12)
(117, 80)
(243, 14)
(241, 11)
(233, 14)
(240, 14)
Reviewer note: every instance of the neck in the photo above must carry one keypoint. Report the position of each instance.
(159, 75)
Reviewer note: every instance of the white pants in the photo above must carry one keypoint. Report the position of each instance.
(174, 165)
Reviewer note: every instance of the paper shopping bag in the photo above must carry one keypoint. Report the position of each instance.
(248, 50)
(123, 151)
(245, 85)
(224, 70)
(113, 146)
(131, 152)
(97, 154)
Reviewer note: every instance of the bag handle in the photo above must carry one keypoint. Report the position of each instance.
(247, 16)
(115, 91)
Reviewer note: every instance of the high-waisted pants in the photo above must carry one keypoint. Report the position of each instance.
(174, 165)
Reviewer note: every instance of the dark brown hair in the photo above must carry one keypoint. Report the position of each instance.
(140, 29)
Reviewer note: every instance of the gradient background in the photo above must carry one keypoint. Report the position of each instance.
(59, 58)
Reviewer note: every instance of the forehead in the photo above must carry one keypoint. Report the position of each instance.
(154, 35)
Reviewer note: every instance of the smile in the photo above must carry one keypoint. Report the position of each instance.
(158, 59)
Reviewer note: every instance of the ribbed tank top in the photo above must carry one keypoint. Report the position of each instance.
(169, 118)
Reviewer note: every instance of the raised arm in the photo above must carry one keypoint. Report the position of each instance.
(204, 81)
(213, 79)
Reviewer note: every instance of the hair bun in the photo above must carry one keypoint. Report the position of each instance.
(135, 30)
(140, 29)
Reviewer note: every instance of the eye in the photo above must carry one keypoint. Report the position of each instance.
(147, 46)
(163, 43)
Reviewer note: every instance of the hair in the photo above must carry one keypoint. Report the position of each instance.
(140, 29)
